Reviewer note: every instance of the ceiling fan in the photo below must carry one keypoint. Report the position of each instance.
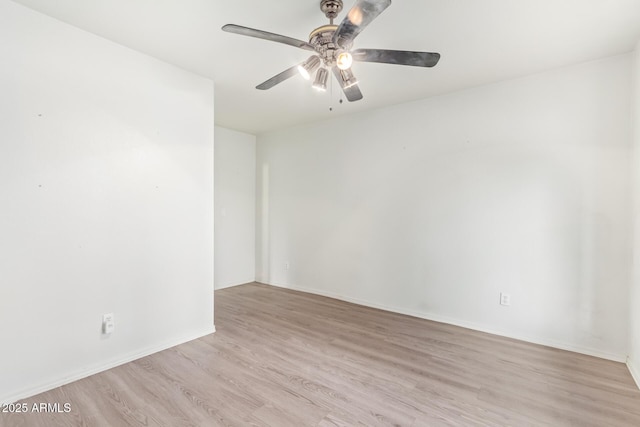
(332, 44)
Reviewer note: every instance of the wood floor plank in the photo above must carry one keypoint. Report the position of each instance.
(286, 358)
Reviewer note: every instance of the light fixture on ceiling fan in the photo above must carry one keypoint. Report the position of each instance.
(332, 44)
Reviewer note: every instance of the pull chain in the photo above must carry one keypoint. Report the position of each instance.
(331, 97)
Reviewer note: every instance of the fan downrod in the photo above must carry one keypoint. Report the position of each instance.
(331, 8)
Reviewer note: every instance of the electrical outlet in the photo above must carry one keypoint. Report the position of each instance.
(505, 299)
(107, 323)
(286, 265)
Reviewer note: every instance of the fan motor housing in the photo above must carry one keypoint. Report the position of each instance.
(322, 40)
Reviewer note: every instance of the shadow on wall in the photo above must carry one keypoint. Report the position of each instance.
(265, 230)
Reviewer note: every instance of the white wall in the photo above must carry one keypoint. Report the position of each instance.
(634, 353)
(106, 183)
(235, 208)
(433, 208)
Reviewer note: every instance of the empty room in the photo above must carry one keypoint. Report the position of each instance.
(319, 213)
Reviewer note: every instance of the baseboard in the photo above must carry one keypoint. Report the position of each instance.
(464, 324)
(80, 374)
(231, 285)
(635, 372)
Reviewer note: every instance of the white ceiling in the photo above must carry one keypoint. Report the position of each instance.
(480, 42)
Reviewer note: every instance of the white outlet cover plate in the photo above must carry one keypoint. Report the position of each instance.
(505, 299)
(108, 324)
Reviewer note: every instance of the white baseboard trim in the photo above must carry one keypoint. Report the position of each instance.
(80, 374)
(231, 285)
(635, 372)
(462, 323)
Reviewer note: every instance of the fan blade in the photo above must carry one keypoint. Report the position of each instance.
(278, 78)
(251, 32)
(360, 15)
(352, 92)
(399, 57)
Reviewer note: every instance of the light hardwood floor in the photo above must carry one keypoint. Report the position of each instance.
(285, 358)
